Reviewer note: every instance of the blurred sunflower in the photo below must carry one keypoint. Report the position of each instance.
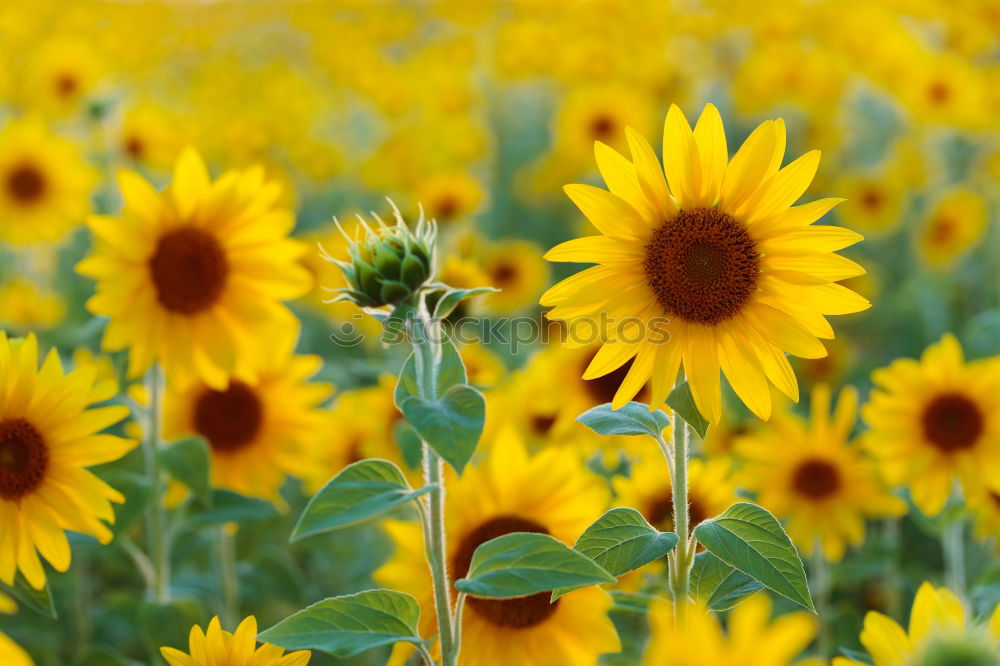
(23, 305)
(60, 74)
(12, 654)
(449, 196)
(718, 271)
(935, 420)
(552, 494)
(875, 201)
(150, 136)
(752, 637)
(47, 438)
(261, 427)
(44, 184)
(939, 635)
(194, 277)
(954, 226)
(217, 647)
(517, 269)
(809, 474)
(600, 113)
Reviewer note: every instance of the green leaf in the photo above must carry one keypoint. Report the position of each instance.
(227, 506)
(622, 541)
(748, 538)
(450, 299)
(360, 491)
(168, 624)
(682, 402)
(410, 445)
(450, 425)
(450, 372)
(632, 419)
(349, 625)
(39, 601)
(523, 563)
(719, 585)
(188, 461)
(137, 489)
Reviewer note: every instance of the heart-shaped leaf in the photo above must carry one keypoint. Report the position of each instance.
(622, 541)
(349, 625)
(682, 402)
(450, 425)
(188, 461)
(632, 419)
(747, 537)
(523, 563)
(719, 585)
(360, 491)
(449, 372)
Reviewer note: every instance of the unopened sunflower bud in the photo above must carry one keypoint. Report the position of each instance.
(390, 263)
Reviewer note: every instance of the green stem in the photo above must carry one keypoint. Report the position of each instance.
(820, 582)
(953, 544)
(681, 558)
(228, 578)
(158, 544)
(426, 343)
(890, 582)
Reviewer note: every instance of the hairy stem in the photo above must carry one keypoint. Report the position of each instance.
(426, 341)
(953, 544)
(229, 582)
(680, 559)
(819, 580)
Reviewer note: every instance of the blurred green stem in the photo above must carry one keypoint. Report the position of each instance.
(953, 544)
(228, 578)
(426, 341)
(819, 580)
(158, 544)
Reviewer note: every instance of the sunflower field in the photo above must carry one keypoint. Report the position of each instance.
(499, 332)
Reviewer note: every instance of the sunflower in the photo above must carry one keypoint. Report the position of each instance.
(953, 227)
(517, 269)
(47, 437)
(261, 427)
(349, 437)
(939, 635)
(935, 420)
(44, 184)
(27, 306)
(718, 271)
(875, 200)
(449, 196)
(60, 74)
(150, 136)
(551, 493)
(809, 474)
(753, 639)
(193, 277)
(12, 654)
(216, 647)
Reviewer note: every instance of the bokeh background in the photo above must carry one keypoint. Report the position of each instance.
(480, 112)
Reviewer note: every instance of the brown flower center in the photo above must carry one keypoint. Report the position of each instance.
(872, 199)
(135, 147)
(939, 92)
(189, 270)
(816, 479)
(24, 458)
(515, 613)
(229, 419)
(504, 275)
(702, 265)
(601, 127)
(952, 422)
(66, 84)
(446, 207)
(26, 183)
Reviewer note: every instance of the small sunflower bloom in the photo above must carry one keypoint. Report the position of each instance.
(935, 420)
(940, 634)
(810, 474)
(48, 436)
(194, 277)
(217, 646)
(710, 260)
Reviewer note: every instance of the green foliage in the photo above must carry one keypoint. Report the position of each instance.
(448, 372)
(227, 506)
(682, 402)
(39, 601)
(346, 626)
(622, 541)
(451, 425)
(168, 624)
(522, 563)
(443, 301)
(719, 585)
(634, 418)
(360, 491)
(748, 538)
(188, 461)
